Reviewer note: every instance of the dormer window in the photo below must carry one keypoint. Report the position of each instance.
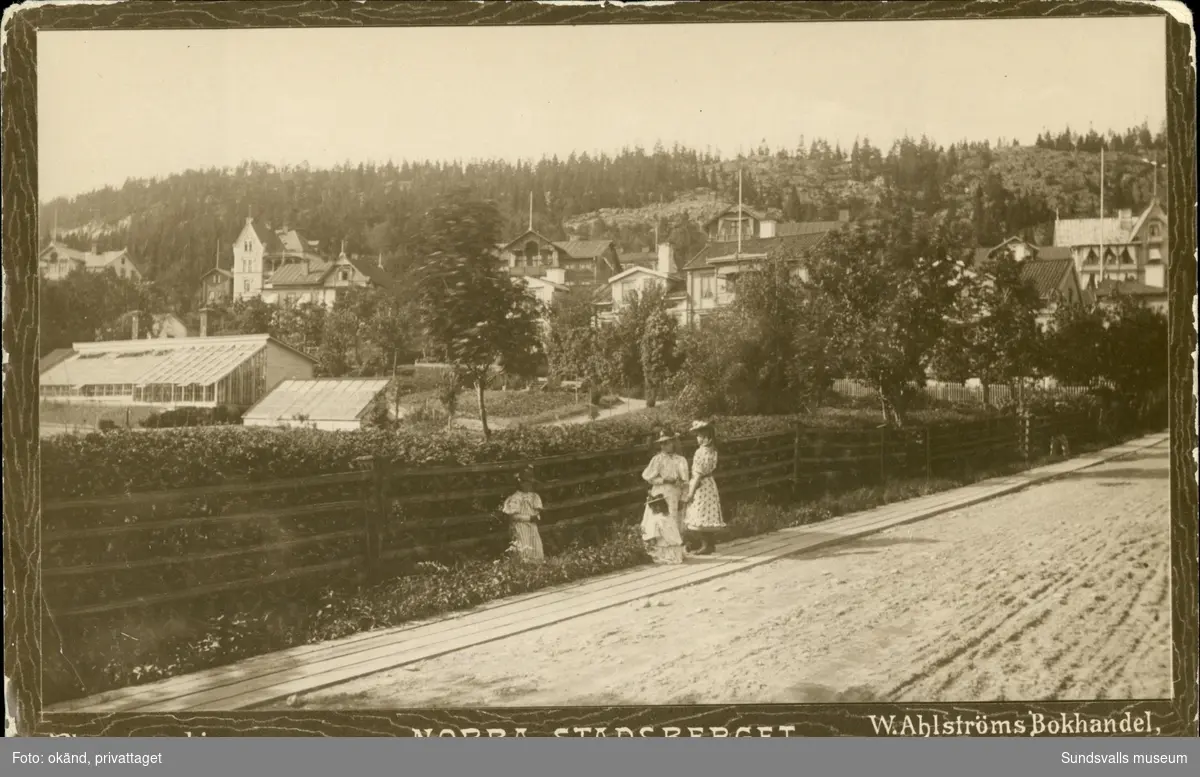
(1155, 230)
(344, 274)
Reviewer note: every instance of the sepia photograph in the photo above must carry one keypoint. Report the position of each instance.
(387, 368)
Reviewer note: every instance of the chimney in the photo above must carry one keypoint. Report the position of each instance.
(134, 317)
(1126, 216)
(766, 228)
(666, 258)
(204, 322)
(844, 215)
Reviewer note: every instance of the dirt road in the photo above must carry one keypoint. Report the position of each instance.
(1057, 592)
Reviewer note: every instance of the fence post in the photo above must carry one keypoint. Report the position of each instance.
(882, 453)
(796, 459)
(1023, 434)
(372, 514)
(928, 456)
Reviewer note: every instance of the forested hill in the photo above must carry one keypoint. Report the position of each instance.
(177, 225)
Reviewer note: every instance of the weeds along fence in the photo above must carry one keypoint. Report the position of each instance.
(106, 561)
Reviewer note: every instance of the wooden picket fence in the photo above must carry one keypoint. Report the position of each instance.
(105, 557)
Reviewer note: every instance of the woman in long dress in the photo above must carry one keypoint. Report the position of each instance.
(523, 509)
(703, 513)
(667, 475)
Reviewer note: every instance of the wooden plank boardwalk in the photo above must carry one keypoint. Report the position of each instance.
(267, 678)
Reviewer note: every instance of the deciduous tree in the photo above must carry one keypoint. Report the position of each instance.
(469, 308)
(882, 294)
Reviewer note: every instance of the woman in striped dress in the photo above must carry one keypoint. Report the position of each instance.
(524, 509)
(703, 515)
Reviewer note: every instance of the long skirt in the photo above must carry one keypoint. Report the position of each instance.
(527, 541)
(704, 509)
(661, 532)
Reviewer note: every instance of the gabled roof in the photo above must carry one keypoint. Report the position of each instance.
(1046, 275)
(674, 282)
(639, 259)
(636, 269)
(63, 251)
(373, 272)
(1086, 232)
(295, 243)
(310, 271)
(271, 242)
(790, 228)
(733, 210)
(584, 249)
(56, 356)
(1141, 220)
(755, 246)
(183, 360)
(223, 273)
(93, 261)
(322, 399)
(103, 259)
(1039, 252)
(524, 235)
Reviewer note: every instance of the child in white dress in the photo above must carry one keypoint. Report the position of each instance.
(524, 509)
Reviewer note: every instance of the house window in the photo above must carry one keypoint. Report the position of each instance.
(705, 283)
(247, 246)
(1091, 257)
(1110, 257)
(345, 274)
(531, 253)
(246, 285)
(1155, 230)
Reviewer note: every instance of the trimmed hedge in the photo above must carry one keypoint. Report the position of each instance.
(121, 461)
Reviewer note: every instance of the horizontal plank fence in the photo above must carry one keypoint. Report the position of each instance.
(105, 557)
(997, 394)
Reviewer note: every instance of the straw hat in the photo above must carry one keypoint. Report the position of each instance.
(699, 426)
(666, 437)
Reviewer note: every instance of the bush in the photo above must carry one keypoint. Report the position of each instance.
(193, 416)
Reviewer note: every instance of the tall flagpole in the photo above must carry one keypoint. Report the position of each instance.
(740, 214)
(531, 211)
(1103, 264)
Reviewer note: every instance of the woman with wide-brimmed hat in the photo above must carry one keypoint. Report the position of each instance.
(703, 512)
(667, 474)
(524, 509)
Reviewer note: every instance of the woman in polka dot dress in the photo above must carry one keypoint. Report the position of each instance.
(703, 516)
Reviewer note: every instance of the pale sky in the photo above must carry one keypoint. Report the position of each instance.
(140, 104)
